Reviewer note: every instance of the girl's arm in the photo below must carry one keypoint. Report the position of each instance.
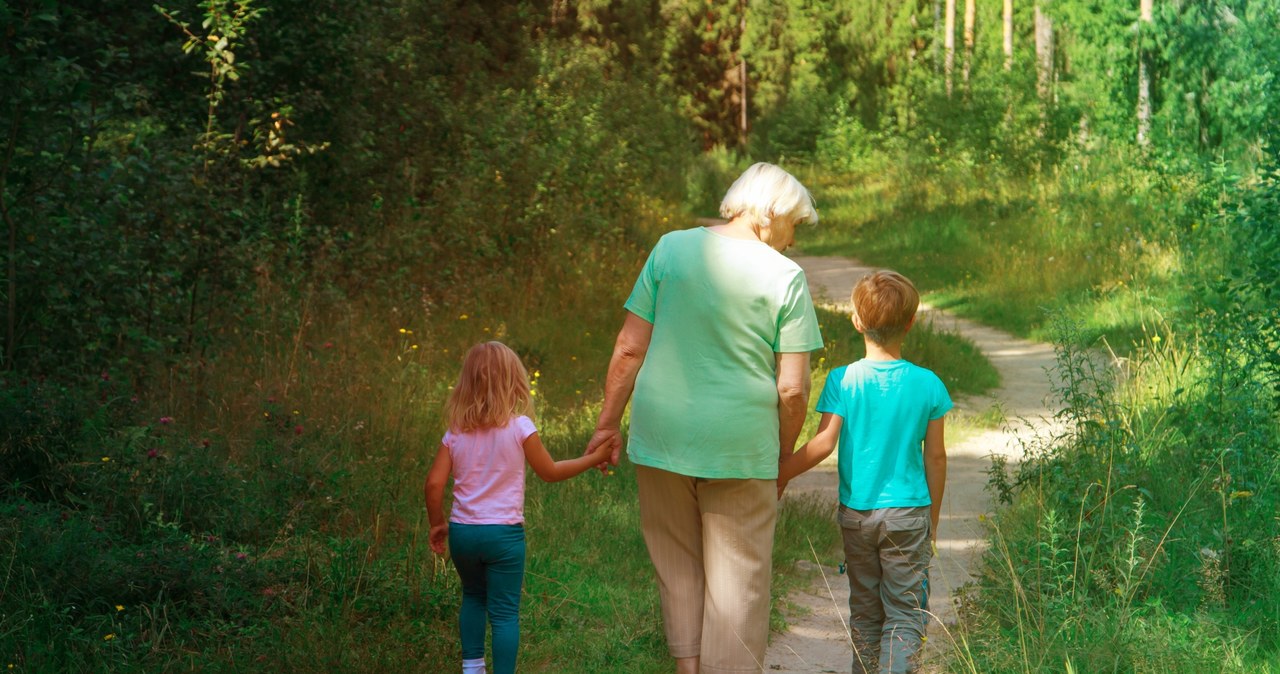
(551, 470)
(935, 470)
(813, 451)
(433, 489)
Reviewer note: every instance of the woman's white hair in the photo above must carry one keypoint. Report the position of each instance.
(764, 193)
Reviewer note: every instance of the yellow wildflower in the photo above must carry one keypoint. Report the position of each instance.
(109, 637)
(106, 459)
(119, 607)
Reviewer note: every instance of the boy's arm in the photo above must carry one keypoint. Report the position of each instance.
(433, 489)
(551, 470)
(935, 470)
(813, 451)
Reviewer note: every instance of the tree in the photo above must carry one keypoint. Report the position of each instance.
(970, 15)
(1144, 75)
(1044, 54)
(949, 44)
(1008, 35)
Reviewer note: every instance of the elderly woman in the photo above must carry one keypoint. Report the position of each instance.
(714, 353)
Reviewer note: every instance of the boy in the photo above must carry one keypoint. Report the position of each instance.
(887, 416)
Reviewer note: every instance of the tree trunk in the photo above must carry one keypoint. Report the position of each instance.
(1008, 35)
(1044, 55)
(949, 44)
(936, 48)
(970, 17)
(1144, 75)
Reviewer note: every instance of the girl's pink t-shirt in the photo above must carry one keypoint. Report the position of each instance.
(488, 473)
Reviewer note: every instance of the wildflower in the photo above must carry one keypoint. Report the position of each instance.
(328, 345)
(240, 555)
(414, 347)
(297, 430)
(119, 608)
(105, 376)
(165, 421)
(153, 453)
(205, 442)
(266, 415)
(106, 459)
(296, 413)
(1155, 339)
(109, 637)
(402, 331)
(462, 317)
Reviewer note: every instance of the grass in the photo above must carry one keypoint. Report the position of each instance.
(1095, 239)
(269, 515)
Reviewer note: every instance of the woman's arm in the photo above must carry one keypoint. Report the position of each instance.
(628, 355)
(793, 399)
(935, 469)
(551, 470)
(813, 451)
(433, 489)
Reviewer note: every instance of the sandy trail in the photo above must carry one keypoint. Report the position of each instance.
(816, 639)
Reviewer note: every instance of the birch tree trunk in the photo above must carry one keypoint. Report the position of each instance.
(1144, 75)
(970, 17)
(1044, 54)
(949, 44)
(1008, 35)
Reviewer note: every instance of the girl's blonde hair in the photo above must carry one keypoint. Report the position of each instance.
(492, 389)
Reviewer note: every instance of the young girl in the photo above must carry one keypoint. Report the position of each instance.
(489, 440)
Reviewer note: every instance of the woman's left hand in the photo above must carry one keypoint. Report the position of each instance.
(610, 437)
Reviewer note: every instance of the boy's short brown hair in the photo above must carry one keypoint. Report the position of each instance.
(884, 304)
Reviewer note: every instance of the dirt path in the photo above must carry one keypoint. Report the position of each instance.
(817, 639)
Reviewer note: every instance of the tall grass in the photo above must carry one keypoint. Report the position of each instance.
(269, 515)
(1094, 236)
(1142, 538)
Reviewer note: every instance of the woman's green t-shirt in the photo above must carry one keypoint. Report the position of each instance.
(706, 400)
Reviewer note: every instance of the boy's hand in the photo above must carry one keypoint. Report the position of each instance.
(439, 534)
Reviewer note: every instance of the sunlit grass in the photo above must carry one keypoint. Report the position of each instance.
(1006, 249)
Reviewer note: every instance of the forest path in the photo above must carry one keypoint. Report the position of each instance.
(816, 639)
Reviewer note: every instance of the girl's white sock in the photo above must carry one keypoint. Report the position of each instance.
(473, 666)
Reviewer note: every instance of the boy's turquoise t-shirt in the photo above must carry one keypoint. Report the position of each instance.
(705, 402)
(886, 407)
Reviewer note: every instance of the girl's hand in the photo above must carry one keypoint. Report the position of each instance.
(439, 534)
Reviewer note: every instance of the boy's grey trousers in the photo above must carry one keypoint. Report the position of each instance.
(887, 553)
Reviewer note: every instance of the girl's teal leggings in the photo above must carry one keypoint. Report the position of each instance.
(490, 561)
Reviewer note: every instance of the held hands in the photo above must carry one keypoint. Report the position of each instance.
(439, 534)
(605, 446)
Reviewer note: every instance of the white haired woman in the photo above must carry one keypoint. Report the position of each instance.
(714, 356)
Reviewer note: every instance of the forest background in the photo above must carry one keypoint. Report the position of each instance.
(246, 243)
